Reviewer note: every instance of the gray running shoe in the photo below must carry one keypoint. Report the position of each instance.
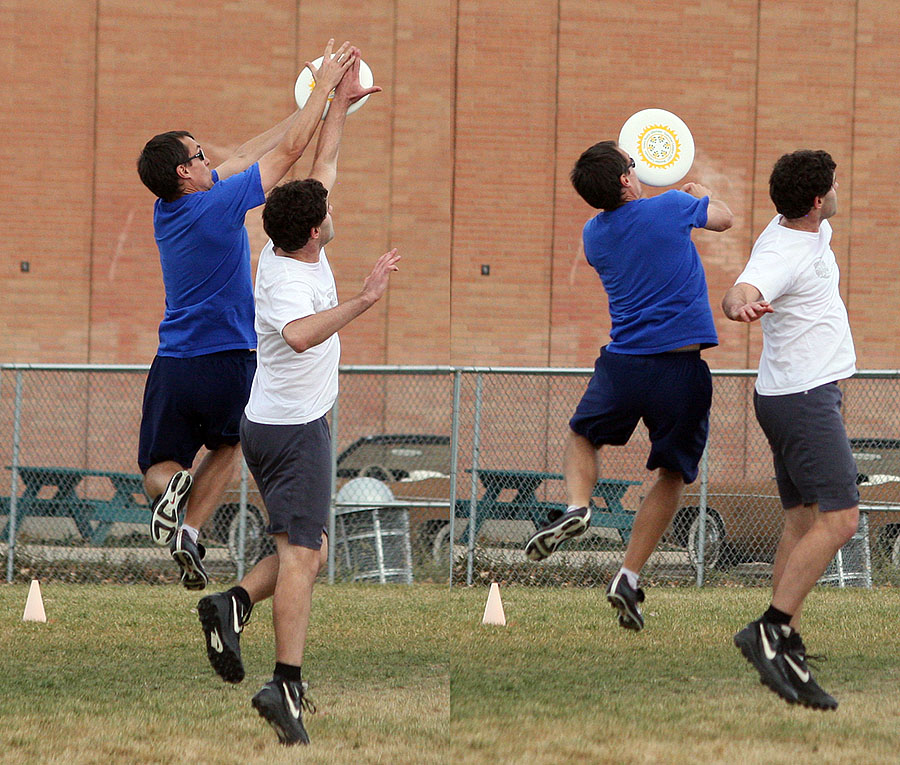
(189, 555)
(569, 525)
(281, 703)
(763, 645)
(168, 506)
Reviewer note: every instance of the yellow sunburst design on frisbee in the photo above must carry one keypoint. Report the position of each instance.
(658, 146)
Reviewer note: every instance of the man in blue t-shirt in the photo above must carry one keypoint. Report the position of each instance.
(651, 370)
(200, 379)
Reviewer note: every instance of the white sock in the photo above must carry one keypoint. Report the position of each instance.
(191, 532)
(630, 576)
(570, 508)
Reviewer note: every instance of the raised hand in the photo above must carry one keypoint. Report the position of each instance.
(696, 190)
(329, 74)
(376, 283)
(349, 88)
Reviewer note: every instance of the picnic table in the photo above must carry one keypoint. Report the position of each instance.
(525, 506)
(128, 503)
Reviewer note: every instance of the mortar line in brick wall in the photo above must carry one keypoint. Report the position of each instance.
(453, 129)
(553, 189)
(751, 191)
(390, 221)
(848, 281)
(91, 238)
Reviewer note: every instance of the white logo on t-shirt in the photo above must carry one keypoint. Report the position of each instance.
(823, 269)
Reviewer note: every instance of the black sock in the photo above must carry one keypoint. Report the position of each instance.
(287, 672)
(243, 597)
(774, 616)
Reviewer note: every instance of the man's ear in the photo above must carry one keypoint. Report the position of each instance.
(182, 171)
(314, 232)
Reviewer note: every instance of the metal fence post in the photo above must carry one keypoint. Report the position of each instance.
(242, 522)
(14, 491)
(704, 485)
(454, 462)
(335, 410)
(473, 497)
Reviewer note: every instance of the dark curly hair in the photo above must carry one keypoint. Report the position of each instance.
(292, 211)
(798, 178)
(596, 175)
(159, 162)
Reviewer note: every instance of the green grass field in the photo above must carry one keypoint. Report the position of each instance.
(409, 675)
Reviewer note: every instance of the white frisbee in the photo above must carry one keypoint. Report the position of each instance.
(306, 83)
(660, 144)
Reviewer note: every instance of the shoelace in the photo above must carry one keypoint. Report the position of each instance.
(306, 703)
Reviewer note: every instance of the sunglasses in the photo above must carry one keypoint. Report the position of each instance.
(199, 155)
(629, 166)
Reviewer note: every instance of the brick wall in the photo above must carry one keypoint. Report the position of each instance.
(461, 163)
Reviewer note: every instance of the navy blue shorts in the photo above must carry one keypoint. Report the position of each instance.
(291, 465)
(670, 392)
(189, 403)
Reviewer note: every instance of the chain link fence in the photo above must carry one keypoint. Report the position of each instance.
(440, 474)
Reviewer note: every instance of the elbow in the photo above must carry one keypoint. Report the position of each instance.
(725, 221)
(297, 343)
(298, 346)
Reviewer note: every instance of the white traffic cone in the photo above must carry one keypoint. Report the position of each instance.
(493, 609)
(34, 606)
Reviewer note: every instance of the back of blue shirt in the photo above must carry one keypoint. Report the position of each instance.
(204, 252)
(652, 273)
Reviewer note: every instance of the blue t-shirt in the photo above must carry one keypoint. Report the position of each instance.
(204, 252)
(652, 273)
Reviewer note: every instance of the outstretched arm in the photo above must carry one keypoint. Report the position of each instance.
(305, 333)
(252, 150)
(718, 215)
(742, 303)
(348, 92)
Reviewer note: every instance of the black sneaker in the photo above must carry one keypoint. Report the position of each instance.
(189, 555)
(567, 526)
(809, 693)
(622, 596)
(223, 619)
(763, 645)
(167, 507)
(281, 703)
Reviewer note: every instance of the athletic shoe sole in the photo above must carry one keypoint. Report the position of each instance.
(226, 662)
(745, 640)
(269, 703)
(544, 542)
(164, 521)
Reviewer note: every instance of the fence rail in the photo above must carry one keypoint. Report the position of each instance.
(460, 464)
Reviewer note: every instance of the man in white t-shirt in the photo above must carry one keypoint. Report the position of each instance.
(284, 431)
(791, 285)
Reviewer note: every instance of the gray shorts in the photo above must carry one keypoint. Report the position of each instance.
(291, 465)
(812, 456)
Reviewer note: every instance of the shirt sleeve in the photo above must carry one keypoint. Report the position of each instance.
(237, 194)
(769, 272)
(695, 210)
(288, 301)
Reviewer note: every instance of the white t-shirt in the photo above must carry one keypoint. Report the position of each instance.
(806, 339)
(292, 388)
